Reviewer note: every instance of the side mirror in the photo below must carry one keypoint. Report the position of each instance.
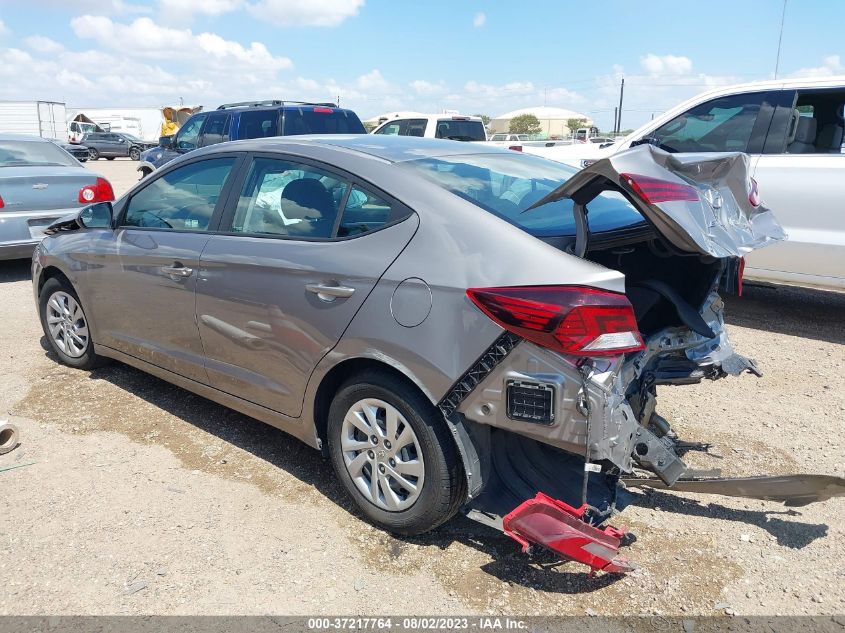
(96, 216)
(165, 142)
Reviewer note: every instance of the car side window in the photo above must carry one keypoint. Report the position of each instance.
(188, 136)
(290, 199)
(720, 125)
(182, 199)
(365, 212)
(817, 121)
(416, 127)
(216, 130)
(258, 124)
(393, 128)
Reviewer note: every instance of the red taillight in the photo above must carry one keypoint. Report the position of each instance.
(323, 110)
(754, 194)
(2, 204)
(568, 319)
(100, 191)
(516, 148)
(654, 190)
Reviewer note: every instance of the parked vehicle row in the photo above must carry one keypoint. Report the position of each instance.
(793, 132)
(251, 119)
(292, 279)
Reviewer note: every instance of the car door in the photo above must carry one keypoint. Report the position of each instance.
(144, 299)
(111, 145)
(801, 175)
(393, 128)
(278, 287)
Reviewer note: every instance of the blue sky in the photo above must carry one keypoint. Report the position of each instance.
(378, 56)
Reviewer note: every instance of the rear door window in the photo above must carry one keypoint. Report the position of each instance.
(725, 124)
(461, 130)
(321, 120)
(258, 124)
(288, 199)
(817, 122)
(182, 199)
(366, 212)
(416, 127)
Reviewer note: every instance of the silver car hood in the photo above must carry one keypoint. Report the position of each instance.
(722, 223)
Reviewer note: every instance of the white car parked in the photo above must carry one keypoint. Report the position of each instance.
(454, 127)
(793, 131)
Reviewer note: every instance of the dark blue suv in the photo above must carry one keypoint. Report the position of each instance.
(251, 119)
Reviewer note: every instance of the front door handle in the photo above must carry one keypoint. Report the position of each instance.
(327, 292)
(177, 272)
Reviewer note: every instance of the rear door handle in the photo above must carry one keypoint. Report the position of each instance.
(326, 292)
(177, 272)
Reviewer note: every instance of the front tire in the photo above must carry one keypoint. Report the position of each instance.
(134, 154)
(93, 154)
(66, 326)
(394, 455)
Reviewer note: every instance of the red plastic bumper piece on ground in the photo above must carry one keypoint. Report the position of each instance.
(561, 528)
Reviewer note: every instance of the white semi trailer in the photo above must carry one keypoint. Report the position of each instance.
(47, 119)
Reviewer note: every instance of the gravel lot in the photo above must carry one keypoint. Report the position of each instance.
(133, 496)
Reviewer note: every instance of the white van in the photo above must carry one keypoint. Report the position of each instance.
(449, 126)
(793, 131)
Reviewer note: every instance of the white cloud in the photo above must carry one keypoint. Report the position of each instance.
(479, 20)
(427, 88)
(43, 44)
(666, 64)
(101, 7)
(4, 30)
(831, 65)
(306, 12)
(146, 39)
(183, 11)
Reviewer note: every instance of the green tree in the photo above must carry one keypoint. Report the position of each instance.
(485, 119)
(525, 124)
(574, 124)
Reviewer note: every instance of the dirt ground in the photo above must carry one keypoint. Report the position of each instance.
(132, 496)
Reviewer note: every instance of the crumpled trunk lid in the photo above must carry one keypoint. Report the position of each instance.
(723, 222)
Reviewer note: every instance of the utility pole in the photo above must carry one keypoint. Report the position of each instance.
(780, 38)
(619, 116)
(615, 117)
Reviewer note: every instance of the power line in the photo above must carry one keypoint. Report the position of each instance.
(780, 38)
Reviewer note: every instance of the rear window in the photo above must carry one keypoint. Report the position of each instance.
(507, 184)
(33, 153)
(321, 120)
(460, 130)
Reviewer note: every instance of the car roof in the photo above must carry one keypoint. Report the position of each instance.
(21, 137)
(392, 148)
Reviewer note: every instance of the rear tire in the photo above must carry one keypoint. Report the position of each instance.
(134, 154)
(381, 426)
(93, 154)
(66, 326)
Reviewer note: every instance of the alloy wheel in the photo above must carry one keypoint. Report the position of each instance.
(382, 454)
(67, 325)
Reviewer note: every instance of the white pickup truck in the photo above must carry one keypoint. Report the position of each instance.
(792, 132)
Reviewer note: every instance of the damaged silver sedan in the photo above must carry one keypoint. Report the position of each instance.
(458, 328)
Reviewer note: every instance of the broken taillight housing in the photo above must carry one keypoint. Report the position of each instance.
(754, 194)
(654, 190)
(568, 319)
(101, 191)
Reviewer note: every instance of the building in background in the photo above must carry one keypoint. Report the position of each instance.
(552, 120)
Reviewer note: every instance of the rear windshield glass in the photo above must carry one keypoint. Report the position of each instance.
(457, 130)
(506, 184)
(317, 120)
(36, 153)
